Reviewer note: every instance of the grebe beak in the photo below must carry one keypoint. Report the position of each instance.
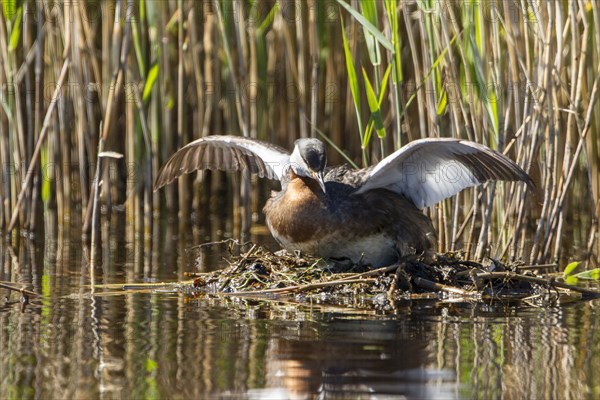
(319, 177)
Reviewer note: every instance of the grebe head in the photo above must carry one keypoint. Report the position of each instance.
(309, 159)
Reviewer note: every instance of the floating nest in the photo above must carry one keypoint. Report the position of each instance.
(254, 271)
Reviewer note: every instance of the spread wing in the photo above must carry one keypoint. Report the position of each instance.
(430, 170)
(226, 153)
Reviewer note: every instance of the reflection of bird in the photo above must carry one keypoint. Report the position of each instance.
(371, 214)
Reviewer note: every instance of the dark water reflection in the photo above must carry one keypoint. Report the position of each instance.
(75, 343)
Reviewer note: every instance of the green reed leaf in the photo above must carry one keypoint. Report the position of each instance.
(16, 31)
(369, 9)
(373, 101)
(385, 42)
(152, 75)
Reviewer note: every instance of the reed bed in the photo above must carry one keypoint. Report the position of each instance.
(84, 79)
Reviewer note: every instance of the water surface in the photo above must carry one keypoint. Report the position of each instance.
(81, 342)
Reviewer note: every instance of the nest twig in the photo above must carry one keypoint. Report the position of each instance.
(261, 273)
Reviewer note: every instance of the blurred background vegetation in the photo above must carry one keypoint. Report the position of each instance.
(142, 78)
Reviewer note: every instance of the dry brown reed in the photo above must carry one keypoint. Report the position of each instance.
(519, 76)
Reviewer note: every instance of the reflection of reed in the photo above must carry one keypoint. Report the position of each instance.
(530, 354)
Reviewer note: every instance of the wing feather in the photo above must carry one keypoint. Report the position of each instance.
(430, 170)
(226, 153)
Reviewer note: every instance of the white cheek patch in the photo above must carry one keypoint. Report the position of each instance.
(298, 164)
